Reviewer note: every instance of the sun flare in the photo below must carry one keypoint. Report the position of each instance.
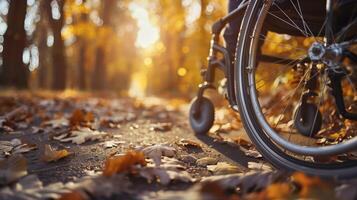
(148, 33)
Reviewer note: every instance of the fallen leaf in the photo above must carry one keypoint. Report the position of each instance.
(36, 129)
(30, 187)
(171, 169)
(115, 121)
(15, 146)
(306, 182)
(206, 161)
(82, 135)
(156, 151)
(57, 123)
(278, 191)
(223, 168)
(24, 148)
(251, 153)
(242, 142)
(163, 127)
(164, 176)
(75, 195)
(247, 182)
(50, 155)
(112, 143)
(189, 143)
(346, 192)
(12, 169)
(189, 159)
(119, 164)
(81, 118)
(259, 166)
(15, 142)
(5, 148)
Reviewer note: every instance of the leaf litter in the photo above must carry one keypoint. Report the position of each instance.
(81, 136)
(160, 166)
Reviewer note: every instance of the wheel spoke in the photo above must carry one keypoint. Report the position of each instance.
(291, 95)
(299, 12)
(321, 96)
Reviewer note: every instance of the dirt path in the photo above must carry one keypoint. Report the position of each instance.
(129, 125)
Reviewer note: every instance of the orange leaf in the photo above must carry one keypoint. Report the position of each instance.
(50, 155)
(306, 182)
(123, 163)
(75, 195)
(278, 191)
(80, 116)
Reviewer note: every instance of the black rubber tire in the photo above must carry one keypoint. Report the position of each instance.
(309, 124)
(271, 152)
(201, 122)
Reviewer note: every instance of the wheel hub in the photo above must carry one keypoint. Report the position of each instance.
(316, 51)
(330, 56)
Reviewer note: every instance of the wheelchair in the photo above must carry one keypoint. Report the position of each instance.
(292, 80)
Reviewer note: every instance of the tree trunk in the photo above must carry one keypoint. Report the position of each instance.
(82, 54)
(100, 68)
(58, 49)
(15, 72)
(41, 35)
(81, 65)
(43, 69)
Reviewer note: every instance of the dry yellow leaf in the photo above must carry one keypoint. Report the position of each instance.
(50, 155)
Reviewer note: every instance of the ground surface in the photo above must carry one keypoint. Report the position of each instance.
(85, 132)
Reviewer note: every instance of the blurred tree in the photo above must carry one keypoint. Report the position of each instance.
(170, 57)
(122, 56)
(15, 72)
(56, 20)
(41, 34)
(83, 46)
(100, 68)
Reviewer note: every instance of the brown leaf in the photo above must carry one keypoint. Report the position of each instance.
(203, 162)
(81, 136)
(12, 169)
(75, 195)
(163, 127)
(259, 166)
(242, 142)
(223, 168)
(50, 155)
(189, 143)
(81, 117)
(123, 163)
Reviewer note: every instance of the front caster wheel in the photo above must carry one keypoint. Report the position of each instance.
(307, 119)
(201, 115)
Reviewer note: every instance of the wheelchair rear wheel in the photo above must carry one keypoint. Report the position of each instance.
(304, 67)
